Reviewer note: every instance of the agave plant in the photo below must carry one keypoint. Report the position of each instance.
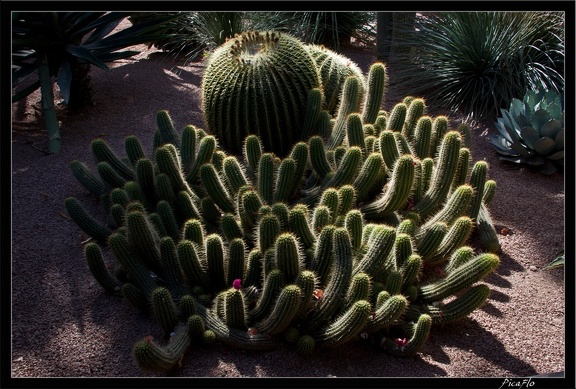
(532, 131)
(63, 46)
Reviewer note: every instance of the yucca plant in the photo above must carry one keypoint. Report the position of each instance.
(63, 46)
(477, 62)
(532, 131)
(198, 32)
(331, 29)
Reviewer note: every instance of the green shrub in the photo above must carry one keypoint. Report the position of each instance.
(477, 62)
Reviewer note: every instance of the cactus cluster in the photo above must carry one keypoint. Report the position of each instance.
(361, 232)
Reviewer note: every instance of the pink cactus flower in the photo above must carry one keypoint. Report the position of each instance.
(400, 342)
(237, 283)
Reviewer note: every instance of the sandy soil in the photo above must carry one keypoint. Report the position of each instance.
(63, 325)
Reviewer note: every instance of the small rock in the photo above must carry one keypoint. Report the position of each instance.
(533, 268)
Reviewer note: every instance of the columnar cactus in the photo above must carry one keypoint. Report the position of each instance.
(323, 244)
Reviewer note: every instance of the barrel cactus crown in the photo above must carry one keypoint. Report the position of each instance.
(334, 68)
(258, 83)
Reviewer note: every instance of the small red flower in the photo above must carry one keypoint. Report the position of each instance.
(149, 338)
(318, 293)
(237, 283)
(400, 342)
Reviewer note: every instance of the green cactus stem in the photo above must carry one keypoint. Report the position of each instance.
(486, 230)
(196, 327)
(359, 289)
(298, 223)
(388, 309)
(170, 166)
(234, 175)
(375, 93)
(430, 239)
(456, 236)
(323, 254)
(368, 177)
(193, 230)
(354, 224)
(349, 103)
(168, 132)
(394, 282)
(235, 310)
(339, 280)
(215, 258)
(455, 310)
(134, 150)
(164, 189)
(268, 230)
(173, 276)
(186, 306)
(152, 357)
(166, 213)
(422, 137)
(455, 207)
(143, 238)
(285, 309)
(380, 245)
(312, 117)
(402, 249)
(443, 175)
(334, 68)
(135, 296)
(347, 327)
(109, 175)
(439, 130)
(395, 121)
(192, 267)
(307, 282)
(411, 271)
(188, 146)
(85, 221)
(88, 179)
(139, 273)
(305, 345)
(284, 180)
(318, 157)
(164, 309)
(206, 150)
(97, 267)
(236, 260)
(103, 153)
(489, 191)
(462, 277)
(414, 113)
(397, 192)
(265, 180)
(252, 151)
(477, 181)
(185, 208)
(272, 285)
(215, 188)
(459, 257)
(420, 334)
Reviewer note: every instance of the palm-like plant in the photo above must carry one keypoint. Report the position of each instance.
(194, 32)
(478, 61)
(63, 46)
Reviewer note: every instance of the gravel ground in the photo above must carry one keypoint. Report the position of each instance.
(63, 325)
